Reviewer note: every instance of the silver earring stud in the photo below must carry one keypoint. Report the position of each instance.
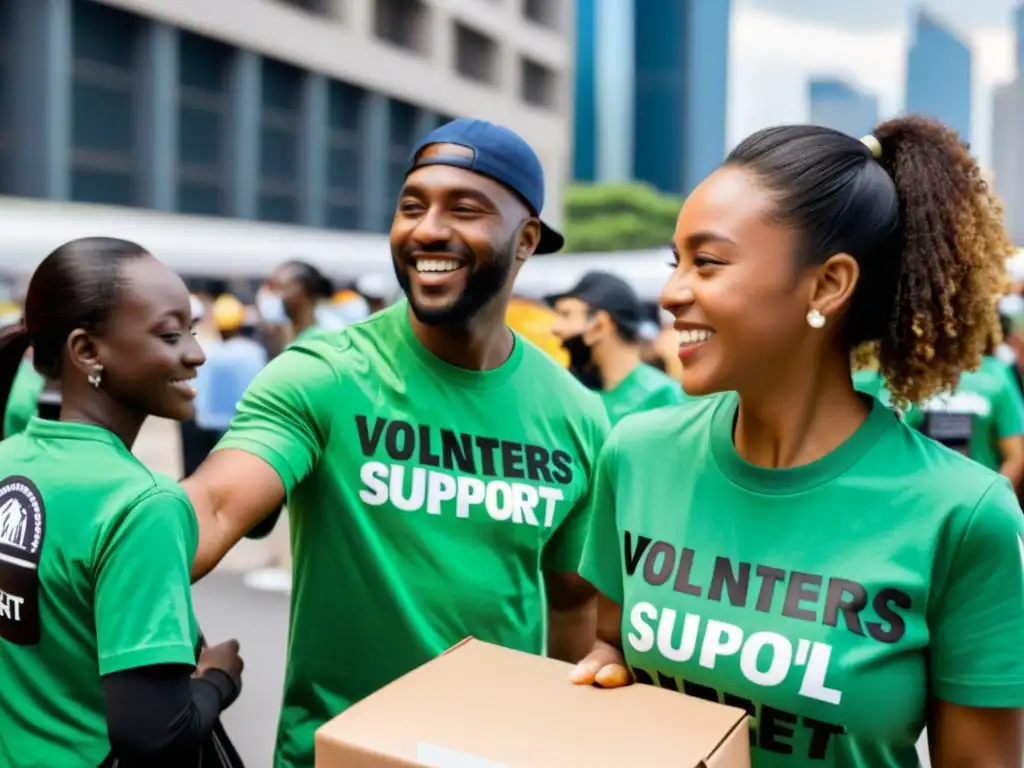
(815, 319)
(96, 376)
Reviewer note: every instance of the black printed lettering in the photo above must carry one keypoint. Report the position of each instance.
(399, 440)
(487, 446)
(537, 464)
(512, 460)
(883, 605)
(775, 730)
(848, 598)
(821, 736)
(732, 700)
(427, 457)
(769, 578)
(457, 452)
(736, 583)
(801, 587)
(634, 552)
(700, 691)
(642, 676)
(771, 729)
(657, 573)
(562, 462)
(666, 682)
(368, 440)
(682, 583)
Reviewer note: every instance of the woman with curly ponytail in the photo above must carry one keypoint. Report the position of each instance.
(787, 544)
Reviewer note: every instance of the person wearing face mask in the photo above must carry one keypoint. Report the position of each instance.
(294, 302)
(599, 322)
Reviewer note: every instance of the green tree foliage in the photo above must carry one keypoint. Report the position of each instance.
(618, 217)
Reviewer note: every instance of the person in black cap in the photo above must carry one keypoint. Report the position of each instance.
(435, 464)
(599, 322)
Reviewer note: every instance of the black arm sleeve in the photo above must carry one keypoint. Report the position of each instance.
(159, 715)
(263, 528)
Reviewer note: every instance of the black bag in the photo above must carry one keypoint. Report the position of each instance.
(217, 751)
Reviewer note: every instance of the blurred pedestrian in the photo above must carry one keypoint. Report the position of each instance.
(290, 299)
(599, 323)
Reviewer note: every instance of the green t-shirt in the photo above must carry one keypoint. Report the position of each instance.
(22, 404)
(985, 408)
(828, 600)
(95, 553)
(644, 389)
(870, 382)
(425, 500)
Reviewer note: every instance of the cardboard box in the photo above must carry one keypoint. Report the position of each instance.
(482, 706)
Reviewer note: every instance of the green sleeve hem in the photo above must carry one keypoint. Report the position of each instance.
(177, 653)
(274, 458)
(1004, 693)
(609, 587)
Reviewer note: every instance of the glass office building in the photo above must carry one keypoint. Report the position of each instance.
(836, 103)
(939, 74)
(651, 91)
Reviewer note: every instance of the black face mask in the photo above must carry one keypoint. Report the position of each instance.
(581, 364)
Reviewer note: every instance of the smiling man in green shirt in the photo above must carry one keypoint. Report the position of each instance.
(436, 465)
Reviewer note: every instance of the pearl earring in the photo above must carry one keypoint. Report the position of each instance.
(815, 319)
(96, 376)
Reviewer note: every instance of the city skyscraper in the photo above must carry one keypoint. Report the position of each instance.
(1008, 153)
(1008, 138)
(651, 90)
(939, 65)
(835, 103)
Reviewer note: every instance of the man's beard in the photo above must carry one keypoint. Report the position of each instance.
(483, 283)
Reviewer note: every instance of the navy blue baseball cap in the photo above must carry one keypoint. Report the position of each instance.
(499, 154)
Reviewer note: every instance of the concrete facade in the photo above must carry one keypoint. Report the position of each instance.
(275, 75)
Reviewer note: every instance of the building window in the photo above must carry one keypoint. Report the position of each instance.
(538, 85)
(6, 108)
(203, 125)
(476, 55)
(280, 142)
(402, 124)
(104, 159)
(404, 23)
(542, 12)
(344, 142)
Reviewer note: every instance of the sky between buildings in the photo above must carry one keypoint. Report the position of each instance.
(777, 45)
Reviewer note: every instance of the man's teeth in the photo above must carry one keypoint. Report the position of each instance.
(694, 336)
(436, 265)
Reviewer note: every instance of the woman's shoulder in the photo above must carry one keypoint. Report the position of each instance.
(650, 430)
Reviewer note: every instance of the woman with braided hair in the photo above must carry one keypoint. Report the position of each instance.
(786, 544)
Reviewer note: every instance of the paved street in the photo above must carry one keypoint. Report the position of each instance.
(259, 620)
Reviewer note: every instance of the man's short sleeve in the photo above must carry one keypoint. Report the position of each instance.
(977, 615)
(565, 548)
(284, 417)
(143, 589)
(601, 564)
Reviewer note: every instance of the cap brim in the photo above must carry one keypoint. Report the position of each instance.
(550, 240)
